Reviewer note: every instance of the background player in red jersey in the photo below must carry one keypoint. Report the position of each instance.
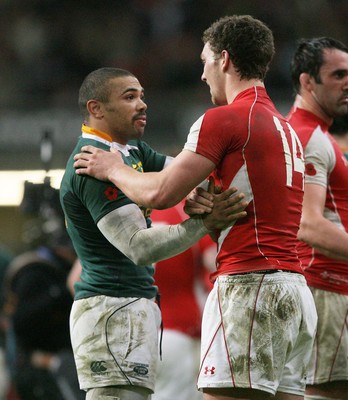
(259, 319)
(183, 288)
(320, 76)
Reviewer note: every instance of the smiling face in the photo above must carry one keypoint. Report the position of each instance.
(123, 116)
(331, 94)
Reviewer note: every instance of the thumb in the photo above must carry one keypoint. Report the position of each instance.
(211, 186)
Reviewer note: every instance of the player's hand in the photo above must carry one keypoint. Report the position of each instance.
(98, 163)
(228, 208)
(201, 201)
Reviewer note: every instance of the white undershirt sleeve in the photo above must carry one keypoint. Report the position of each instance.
(125, 228)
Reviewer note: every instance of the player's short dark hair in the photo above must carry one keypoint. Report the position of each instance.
(96, 86)
(309, 57)
(248, 41)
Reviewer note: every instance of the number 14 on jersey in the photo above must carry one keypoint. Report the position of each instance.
(294, 160)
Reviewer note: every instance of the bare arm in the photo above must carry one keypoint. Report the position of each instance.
(316, 230)
(152, 189)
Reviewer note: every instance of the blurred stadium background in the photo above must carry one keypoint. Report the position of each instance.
(47, 47)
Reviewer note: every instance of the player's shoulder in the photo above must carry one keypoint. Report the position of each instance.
(305, 125)
(222, 112)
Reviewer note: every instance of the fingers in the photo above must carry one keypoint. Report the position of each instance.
(218, 189)
(199, 201)
(232, 215)
(233, 205)
(229, 208)
(196, 209)
(190, 211)
(86, 158)
(222, 218)
(88, 152)
(211, 185)
(212, 189)
(196, 204)
(228, 193)
(236, 202)
(89, 149)
(199, 194)
(81, 161)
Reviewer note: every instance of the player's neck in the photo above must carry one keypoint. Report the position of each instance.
(240, 86)
(309, 103)
(96, 132)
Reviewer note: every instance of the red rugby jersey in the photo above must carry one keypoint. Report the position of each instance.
(327, 166)
(181, 279)
(256, 150)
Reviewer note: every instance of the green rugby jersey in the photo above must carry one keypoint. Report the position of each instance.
(85, 200)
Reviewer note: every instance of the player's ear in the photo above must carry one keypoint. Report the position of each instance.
(225, 57)
(94, 109)
(306, 82)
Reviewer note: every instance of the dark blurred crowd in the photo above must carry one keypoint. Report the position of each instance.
(36, 360)
(46, 46)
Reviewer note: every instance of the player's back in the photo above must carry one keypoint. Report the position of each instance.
(257, 151)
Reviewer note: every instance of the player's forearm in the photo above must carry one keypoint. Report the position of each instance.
(325, 237)
(332, 254)
(159, 243)
(125, 228)
(148, 189)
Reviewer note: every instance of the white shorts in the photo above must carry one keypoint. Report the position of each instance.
(257, 333)
(178, 370)
(115, 341)
(329, 361)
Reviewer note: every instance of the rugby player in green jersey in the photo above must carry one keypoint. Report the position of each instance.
(115, 320)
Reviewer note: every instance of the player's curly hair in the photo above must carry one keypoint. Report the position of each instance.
(309, 57)
(248, 41)
(96, 86)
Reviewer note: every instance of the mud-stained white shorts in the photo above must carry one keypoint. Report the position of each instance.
(258, 332)
(115, 341)
(329, 361)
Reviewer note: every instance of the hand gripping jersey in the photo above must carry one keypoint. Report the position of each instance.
(327, 166)
(85, 200)
(255, 149)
